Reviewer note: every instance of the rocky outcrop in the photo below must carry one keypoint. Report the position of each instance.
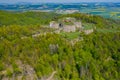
(27, 72)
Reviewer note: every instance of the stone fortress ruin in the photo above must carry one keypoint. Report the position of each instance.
(68, 24)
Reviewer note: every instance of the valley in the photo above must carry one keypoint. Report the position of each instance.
(107, 10)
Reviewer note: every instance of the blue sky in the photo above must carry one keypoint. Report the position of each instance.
(59, 1)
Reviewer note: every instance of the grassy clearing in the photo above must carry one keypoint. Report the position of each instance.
(107, 30)
(71, 35)
(88, 26)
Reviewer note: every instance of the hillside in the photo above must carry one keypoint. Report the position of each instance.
(25, 18)
(30, 50)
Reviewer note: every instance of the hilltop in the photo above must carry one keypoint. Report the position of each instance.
(31, 50)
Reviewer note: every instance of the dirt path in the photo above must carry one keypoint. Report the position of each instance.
(52, 75)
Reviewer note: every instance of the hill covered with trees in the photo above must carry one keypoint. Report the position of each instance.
(24, 56)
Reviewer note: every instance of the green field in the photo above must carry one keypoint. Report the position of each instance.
(111, 13)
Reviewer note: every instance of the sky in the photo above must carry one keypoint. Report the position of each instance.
(56, 1)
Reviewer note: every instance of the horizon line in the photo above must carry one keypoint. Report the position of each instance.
(67, 2)
(62, 2)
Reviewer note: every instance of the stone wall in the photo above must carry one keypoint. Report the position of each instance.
(76, 25)
(88, 31)
(54, 24)
(69, 28)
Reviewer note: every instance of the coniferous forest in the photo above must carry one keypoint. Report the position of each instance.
(29, 50)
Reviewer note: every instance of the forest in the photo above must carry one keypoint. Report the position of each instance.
(24, 57)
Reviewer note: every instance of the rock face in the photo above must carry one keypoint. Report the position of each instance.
(27, 72)
(66, 24)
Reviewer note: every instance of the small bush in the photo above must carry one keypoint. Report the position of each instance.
(9, 73)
